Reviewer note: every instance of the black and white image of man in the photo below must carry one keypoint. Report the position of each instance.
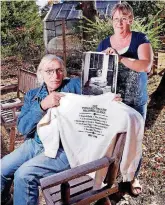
(99, 73)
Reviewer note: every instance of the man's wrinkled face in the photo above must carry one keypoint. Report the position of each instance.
(53, 74)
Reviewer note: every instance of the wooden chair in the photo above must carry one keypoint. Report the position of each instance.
(10, 107)
(73, 186)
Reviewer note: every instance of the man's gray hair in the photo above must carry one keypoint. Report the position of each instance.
(46, 60)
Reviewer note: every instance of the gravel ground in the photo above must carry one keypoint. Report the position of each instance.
(152, 174)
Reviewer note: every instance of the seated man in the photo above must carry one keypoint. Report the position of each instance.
(28, 164)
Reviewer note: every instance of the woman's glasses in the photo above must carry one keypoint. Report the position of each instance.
(123, 19)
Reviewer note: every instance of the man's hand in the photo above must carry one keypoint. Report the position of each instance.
(52, 100)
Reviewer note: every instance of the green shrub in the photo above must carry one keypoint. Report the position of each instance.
(21, 29)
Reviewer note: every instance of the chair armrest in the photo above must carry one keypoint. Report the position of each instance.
(7, 88)
(11, 106)
(76, 172)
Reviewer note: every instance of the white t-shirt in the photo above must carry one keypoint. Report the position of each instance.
(87, 127)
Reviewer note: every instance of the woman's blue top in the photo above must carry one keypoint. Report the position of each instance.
(131, 85)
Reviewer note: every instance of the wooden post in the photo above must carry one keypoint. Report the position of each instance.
(19, 73)
(65, 193)
(64, 41)
(155, 63)
(12, 138)
(117, 154)
(90, 12)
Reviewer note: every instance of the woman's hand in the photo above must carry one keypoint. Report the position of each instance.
(52, 100)
(117, 98)
(110, 51)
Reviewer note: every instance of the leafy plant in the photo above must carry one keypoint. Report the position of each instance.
(21, 29)
(97, 31)
(152, 29)
(143, 9)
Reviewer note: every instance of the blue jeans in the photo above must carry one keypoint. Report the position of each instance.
(26, 166)
(142, 109)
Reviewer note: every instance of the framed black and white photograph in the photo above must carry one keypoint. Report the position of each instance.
(99, 73)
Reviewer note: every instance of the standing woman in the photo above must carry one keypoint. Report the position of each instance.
(135, 61)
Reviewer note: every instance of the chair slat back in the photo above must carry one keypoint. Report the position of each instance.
(26, 81)
(80, 189)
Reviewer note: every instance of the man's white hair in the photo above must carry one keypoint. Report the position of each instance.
(46, 60)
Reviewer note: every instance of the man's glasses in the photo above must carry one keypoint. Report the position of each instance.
(52, 71)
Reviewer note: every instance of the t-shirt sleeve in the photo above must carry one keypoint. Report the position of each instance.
(100, 47)
(103, 45)
(142, 38)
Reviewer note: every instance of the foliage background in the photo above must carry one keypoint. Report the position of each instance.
(21, 29)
